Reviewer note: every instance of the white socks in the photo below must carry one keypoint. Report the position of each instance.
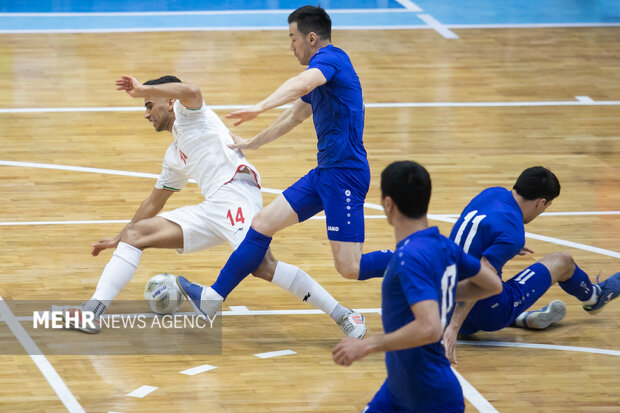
(302, 286)
(117, 273)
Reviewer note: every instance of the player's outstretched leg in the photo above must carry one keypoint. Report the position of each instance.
(552, 313)
(608, 290)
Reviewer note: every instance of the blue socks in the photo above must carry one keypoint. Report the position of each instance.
(373, 264)
(245, 259)
(578, 285)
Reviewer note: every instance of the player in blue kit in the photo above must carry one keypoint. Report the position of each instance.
(330, 90)
(491, 228)
(425, 275)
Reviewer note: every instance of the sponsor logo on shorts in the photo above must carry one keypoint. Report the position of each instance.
(334, 229)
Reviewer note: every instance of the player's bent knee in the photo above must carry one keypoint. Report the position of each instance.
(348, 271)
(560, 264)
(133, 236)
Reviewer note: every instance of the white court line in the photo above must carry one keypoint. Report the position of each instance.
(528, 25)
(388, 105)
(541, 346)
(239, 308)
(275, 354)
(587, 99)
(207, 29)
(197, 370)
(442, 218)
(207, 12)
(142, 391)
(473, 395)
(409, 5)
(438, 27)
(58, 385)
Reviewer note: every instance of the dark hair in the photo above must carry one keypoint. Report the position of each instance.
(163, 79)
(537, 182)
(312, 19)
(409, 186)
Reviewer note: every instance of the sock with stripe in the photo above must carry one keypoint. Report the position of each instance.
(580, 286)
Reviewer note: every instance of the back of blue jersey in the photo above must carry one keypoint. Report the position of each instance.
(491, 226)
(425, 266)
(338, 111)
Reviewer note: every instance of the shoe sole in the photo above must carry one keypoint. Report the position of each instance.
(555, 312)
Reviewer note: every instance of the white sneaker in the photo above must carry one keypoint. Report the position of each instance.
(352, 323)
(73, 312)
(552, 313)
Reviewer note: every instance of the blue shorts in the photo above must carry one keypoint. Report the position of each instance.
(340, 192)
(499, 311)
(383, 403)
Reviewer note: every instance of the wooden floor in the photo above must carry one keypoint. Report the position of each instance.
(465, 149)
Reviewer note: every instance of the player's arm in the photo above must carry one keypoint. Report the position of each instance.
(425, 329)
(189, 95)
(150, 207)
(293, 89)
(290, 118)
(484, 284)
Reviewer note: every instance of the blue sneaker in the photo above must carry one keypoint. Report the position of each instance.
(204, 300)
(608, 290)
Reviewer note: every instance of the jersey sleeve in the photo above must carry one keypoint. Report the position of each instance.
(185, 116)
(415, 279)
(170, 178)
(505, 246)
(466, 265)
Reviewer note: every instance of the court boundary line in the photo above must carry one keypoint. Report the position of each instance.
(474, 396)
(442, 218)
(335, 27)
(579, 101)
(49, 372)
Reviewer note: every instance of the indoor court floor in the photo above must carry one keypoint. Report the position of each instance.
(475, 91)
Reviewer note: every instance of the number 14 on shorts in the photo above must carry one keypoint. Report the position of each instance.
(238, 216)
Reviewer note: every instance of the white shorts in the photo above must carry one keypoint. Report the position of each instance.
(224, 216)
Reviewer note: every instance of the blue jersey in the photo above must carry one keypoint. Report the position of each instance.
(491, 226)
(338, 111)
(425, 266)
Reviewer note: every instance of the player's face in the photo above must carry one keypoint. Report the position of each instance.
(299, 45)
(157, 112)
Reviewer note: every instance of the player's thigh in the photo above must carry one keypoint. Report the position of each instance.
(343, 192)
(347, 256)
(303, 197)
(197, 226)
(275, 217)
(381, 402)
(518, 294)
(155, 232)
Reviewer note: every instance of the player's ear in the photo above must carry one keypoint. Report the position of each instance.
(170, 105)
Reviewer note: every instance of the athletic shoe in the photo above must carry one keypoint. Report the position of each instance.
(552, 313)
(352, 323)
(72, 312)
(608, 290)
(196, 294)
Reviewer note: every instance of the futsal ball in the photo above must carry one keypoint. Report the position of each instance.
(162, 294)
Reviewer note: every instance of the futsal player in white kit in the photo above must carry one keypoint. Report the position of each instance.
(230, 186)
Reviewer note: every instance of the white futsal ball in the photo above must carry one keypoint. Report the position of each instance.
(163, 294)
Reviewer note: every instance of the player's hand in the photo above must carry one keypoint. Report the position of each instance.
(449, 343)
(525, 251)
(244, 115)
(130, 85)
(349, 350)
(105, 244)
(241, 143)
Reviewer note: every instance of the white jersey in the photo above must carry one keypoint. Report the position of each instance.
(200, 151)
